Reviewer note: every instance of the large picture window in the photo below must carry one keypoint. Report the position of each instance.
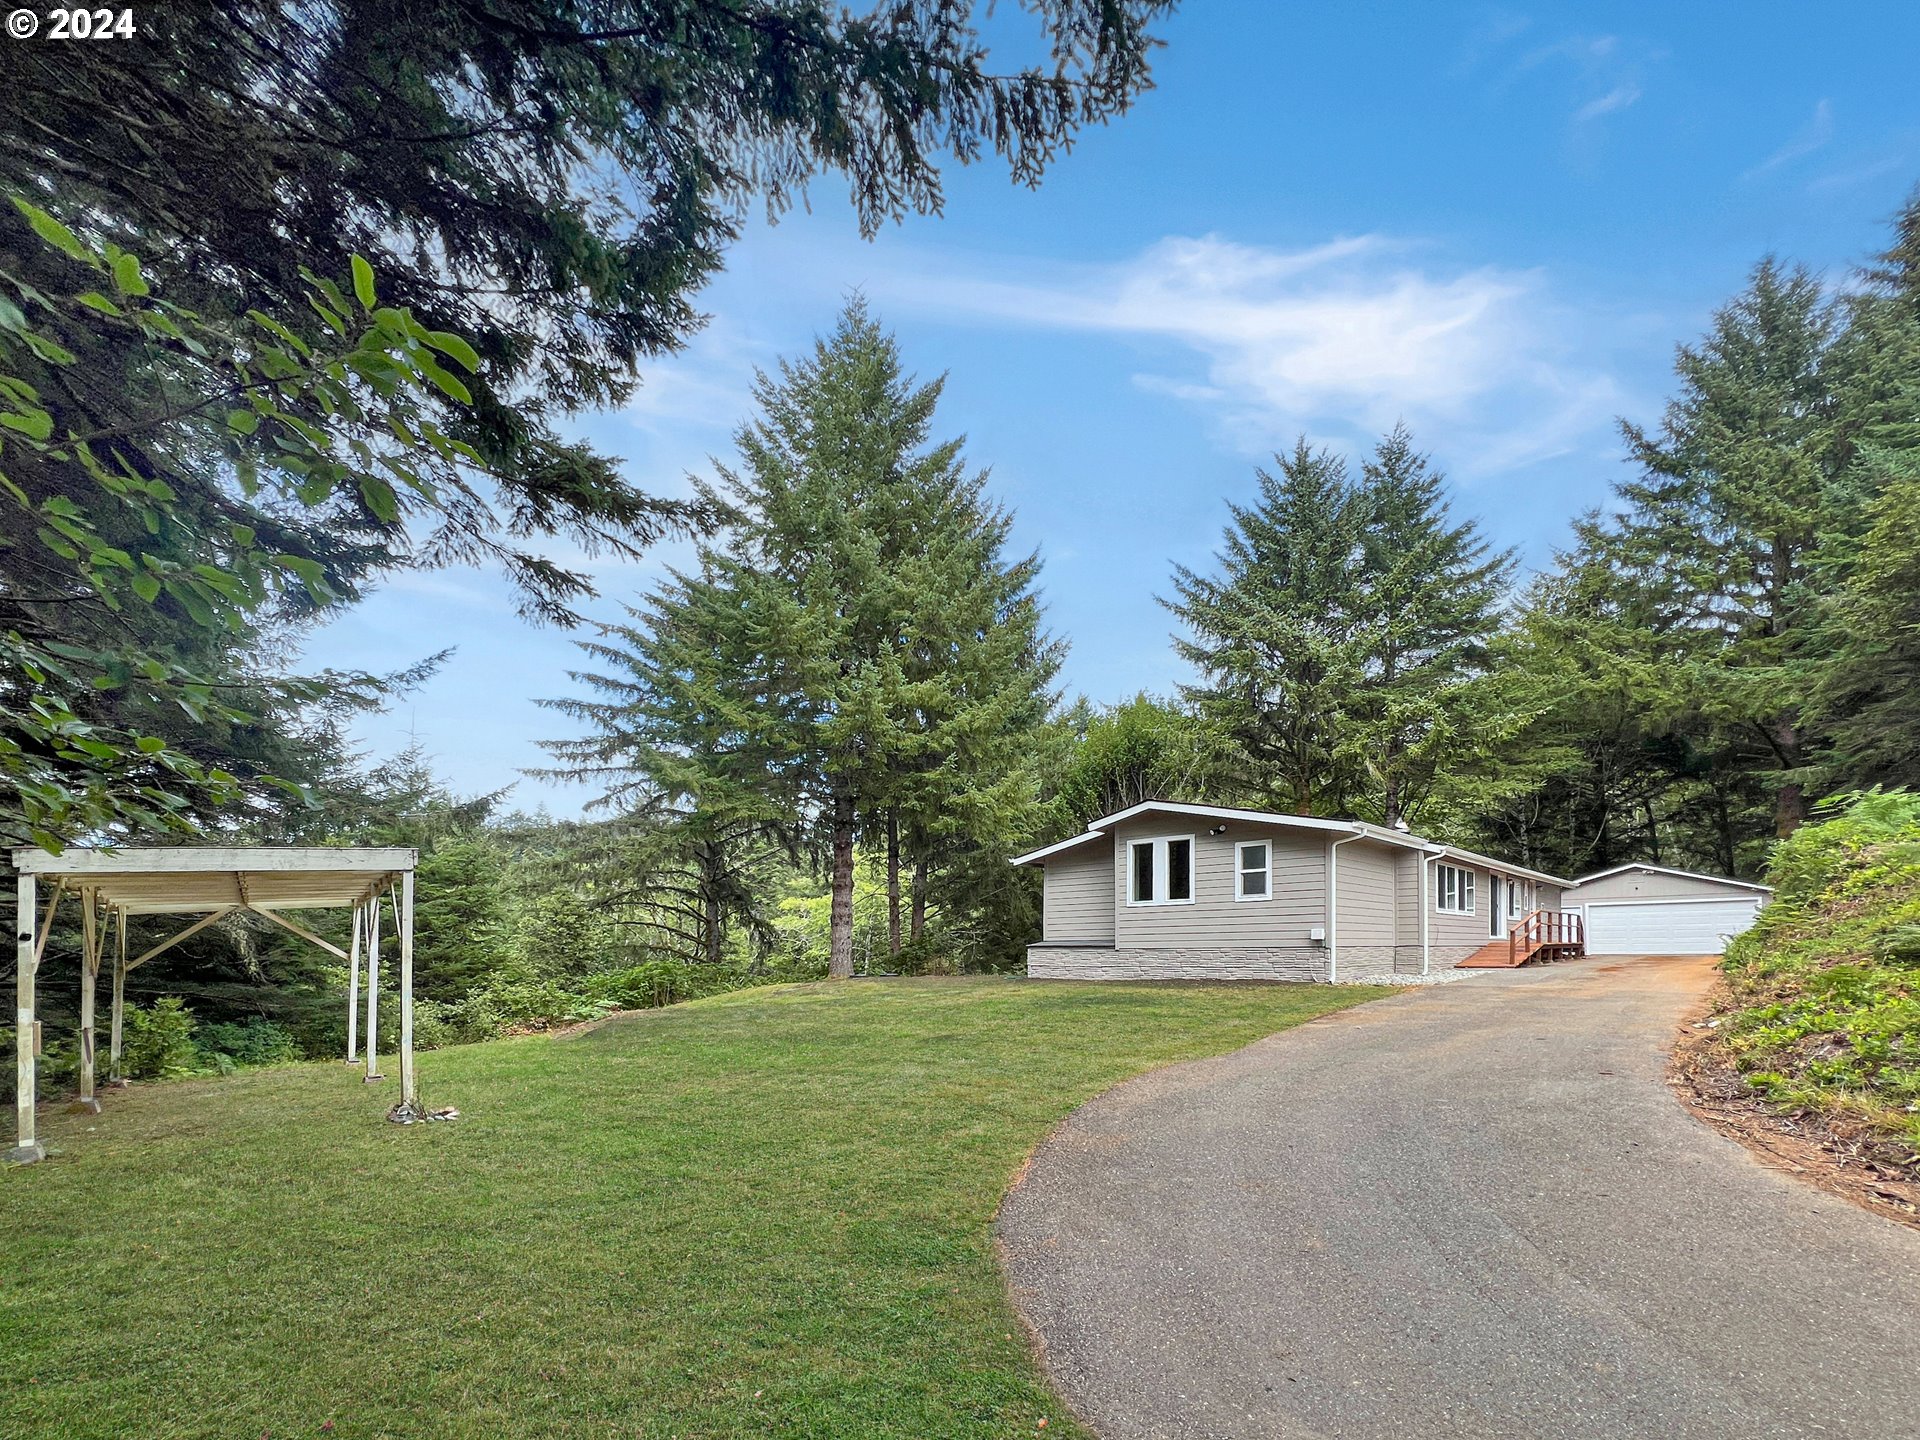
(1160, 872)
(1253, 870)
(1453, 890)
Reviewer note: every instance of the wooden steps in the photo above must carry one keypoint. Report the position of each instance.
(1543, 934)
(1496, 955)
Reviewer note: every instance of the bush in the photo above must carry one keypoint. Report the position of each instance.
(653, 983)
(1826, 1013)
(250, 1042)
(158, 1041)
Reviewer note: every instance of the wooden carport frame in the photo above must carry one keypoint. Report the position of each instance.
(210, 883)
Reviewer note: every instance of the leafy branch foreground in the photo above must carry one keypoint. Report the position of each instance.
(1825, 990)
(767, 1213)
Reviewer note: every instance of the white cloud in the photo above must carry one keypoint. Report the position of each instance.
(1816, 136)
(1618, 98)
(1347, 337)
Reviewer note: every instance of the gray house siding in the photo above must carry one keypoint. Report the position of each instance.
(1384, 891)
(1077, 907)
(1215, 918)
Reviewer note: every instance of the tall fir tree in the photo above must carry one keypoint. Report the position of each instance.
(1430, 598)
(857, 655)
(1271, 633)
(1718, 535)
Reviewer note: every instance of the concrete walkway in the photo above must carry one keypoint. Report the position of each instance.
(1474, 1210)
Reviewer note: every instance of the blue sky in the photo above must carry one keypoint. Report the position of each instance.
(1492, 223)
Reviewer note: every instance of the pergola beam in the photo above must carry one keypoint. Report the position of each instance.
(300, 930)
(194, 929)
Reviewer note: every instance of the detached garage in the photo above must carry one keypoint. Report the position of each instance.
(1651, 910)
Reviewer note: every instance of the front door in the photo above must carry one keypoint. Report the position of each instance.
(1496, 910)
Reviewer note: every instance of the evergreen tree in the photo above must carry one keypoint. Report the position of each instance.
(857, 651)
(1341, 644)
(1272, 635)
(552, 180)
(1719, 535)
(1429, 603)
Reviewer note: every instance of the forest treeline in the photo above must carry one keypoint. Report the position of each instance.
(232, 405)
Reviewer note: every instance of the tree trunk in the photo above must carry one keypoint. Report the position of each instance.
(840, 933)
(712, 922)
(893, 882)
(1790, 804)
(919, 900)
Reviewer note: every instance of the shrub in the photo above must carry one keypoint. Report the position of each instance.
(158, 1041)
(250, 1042)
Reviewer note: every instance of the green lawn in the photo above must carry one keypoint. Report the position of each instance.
(762, 1214)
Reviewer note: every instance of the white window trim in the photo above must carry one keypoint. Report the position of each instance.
(1160, 870)
(1240, 871)
(1472, 889)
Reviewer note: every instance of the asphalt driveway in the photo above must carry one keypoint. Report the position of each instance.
(1473, 1210)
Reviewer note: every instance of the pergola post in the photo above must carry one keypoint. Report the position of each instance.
(373, 995)
(92, 941)
(353, 984)
(409, 1096)
(118, 1022)
(26, 1036)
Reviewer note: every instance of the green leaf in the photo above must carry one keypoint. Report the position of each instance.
(150, 744)
(363, 283)
(127, 278)
(146, 587)
(242, 422)
(445, 381)
(448, 343)
(52, 231)
(380, 499)
(94, 300)
(34, 424)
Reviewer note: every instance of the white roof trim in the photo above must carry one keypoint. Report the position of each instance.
(1503, 866)
(1056, 848)
(1668, 870)
(1263, 817)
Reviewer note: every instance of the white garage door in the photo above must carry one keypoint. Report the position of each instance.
(1667, 927)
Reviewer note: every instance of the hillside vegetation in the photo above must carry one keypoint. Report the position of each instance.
(1826, 987)
(767, 1213)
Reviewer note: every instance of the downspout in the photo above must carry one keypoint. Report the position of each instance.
(1333, 904)
(1426, 909)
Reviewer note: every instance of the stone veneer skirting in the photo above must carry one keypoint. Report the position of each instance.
(1107, 962)
(1100, 962)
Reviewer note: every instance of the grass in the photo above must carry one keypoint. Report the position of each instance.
(768, 1213)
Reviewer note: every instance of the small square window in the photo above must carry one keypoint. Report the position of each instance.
(1254, 867)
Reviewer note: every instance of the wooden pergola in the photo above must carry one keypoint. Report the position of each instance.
(210, 883)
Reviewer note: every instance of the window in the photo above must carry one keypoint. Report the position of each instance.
(1453, 890)
(1160, 872)
(1516, 900)
(1253, 865)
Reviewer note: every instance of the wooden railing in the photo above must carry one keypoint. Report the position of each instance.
(1546, 930)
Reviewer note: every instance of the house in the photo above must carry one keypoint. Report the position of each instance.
(1167, 891)
(1648, 909)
